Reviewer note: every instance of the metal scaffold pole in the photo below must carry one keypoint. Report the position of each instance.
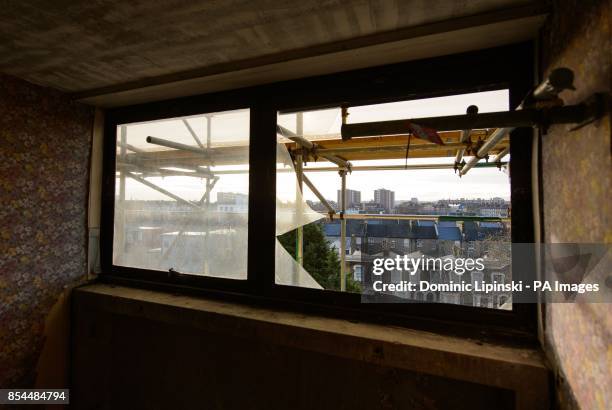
(299, 241)
(299, 171)
(343, 231)
(465, 137)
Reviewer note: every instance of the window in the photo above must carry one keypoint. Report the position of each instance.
(182, 197)
(221, 197)
(357, 273)
(398, 207)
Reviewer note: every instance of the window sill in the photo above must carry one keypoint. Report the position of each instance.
(519, 369)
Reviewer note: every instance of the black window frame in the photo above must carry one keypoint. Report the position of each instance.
(508, 67)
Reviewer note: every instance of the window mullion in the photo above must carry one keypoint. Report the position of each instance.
(262, 198)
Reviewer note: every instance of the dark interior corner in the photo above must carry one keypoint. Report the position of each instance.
(113, 309)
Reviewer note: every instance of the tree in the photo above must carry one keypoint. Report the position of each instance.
(320, 259)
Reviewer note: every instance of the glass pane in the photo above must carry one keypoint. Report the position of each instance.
(396, 208)
(181, 196)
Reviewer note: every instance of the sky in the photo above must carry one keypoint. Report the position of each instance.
(232, 128)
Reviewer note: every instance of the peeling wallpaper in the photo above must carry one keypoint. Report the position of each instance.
(44, 167)
(576, 196)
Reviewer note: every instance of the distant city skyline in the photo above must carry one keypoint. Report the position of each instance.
(417, 200)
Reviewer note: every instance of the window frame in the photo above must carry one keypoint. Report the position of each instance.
(502, 67)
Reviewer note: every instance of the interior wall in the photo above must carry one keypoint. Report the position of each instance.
(123, 360)
(45, 141)
(576, 197)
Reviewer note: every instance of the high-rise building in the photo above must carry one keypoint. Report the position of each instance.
(385, 198)
(352, 197)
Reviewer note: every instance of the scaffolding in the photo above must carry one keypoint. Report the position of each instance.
(341, 152)
(473, 134)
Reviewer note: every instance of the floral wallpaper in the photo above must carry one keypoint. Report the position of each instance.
(576, 186)
(44, 168)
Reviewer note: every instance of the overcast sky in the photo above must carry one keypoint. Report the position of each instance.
(232, 128)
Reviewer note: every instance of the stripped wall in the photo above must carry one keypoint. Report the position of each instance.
(44, 168)
(576, 197)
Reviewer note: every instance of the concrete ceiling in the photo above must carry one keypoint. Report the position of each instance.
(105, 46)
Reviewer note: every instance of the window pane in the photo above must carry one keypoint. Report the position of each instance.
(181, 197)
(426, 212)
